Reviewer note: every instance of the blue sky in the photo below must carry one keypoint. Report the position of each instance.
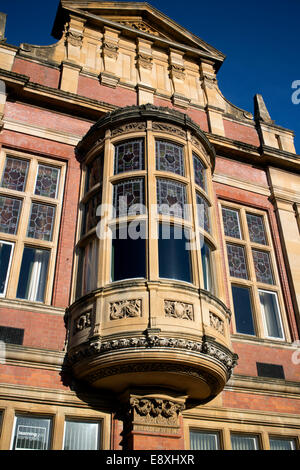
(260, 39)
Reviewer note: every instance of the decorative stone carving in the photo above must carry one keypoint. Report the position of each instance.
(145, 61)
(131, 127)
(217, 323)
(82, 322)
(75, 39)
(110, 49)
(159, 126)
(125, 309)
(155, 411)
(210, 81)
(140, 26)
(177, 71)
(179, 310)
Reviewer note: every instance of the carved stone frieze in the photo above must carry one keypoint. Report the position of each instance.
(154, 413)
(140, 26)
(131, 127)
(168, 128)
(217, 323)
(125, 309)
(179, 310)
(82, 322)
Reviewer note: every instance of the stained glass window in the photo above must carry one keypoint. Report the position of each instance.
(47, 181)
(15, 174)
(129, 156)
(262, 265)
(41, 221)
(129, 197)
(169, 157)
(94, 172)
(231, 223)
(171, 198)
(203, 212)
(9, 214)
(237, 261)
(90, 218)
(256, 229)
(199, 172)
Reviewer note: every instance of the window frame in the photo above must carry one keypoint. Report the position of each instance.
(216, 432)
(35, 416)
(9, 266)
(256, 437)
(87, 419)
(252, 283)
(27, 198)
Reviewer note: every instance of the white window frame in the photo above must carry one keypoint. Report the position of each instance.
(9, 265)
(79, 421)
(276, 338)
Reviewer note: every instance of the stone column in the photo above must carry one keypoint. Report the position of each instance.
(153, 421)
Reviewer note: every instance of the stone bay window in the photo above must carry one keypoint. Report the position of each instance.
(148, 305)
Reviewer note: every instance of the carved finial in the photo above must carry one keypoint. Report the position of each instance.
(260, 110)
(2, 26)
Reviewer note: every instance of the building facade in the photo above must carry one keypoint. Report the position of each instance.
(149, 245)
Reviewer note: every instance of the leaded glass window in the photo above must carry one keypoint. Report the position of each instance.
(262, 265)
(15, 174)
(47, 181)
(171, 198)
(94, 172)
(256, 228)
(129, 197)
(231, 223)
(199, 172)
(9, 214)
(169, 157)
(129, 156)
(203, 212)
(237, 261)
(90, 218)
(41, 221)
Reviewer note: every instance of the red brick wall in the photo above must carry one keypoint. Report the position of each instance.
(30, 376)
(91, 88)
(237, 131)
(198, 116)
(249, 401)
(37, 73)
(41, 330)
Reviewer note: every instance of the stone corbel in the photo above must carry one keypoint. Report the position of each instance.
(110, 54)
(177, 76)
(144, 63)
(74, 39)
(215, 106)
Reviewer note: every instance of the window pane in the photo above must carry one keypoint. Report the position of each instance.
(32, 433)
(237, 261)
(204, 440)
(262, 265)
(33, 274)
(41, 222)
(47, 181)
(90, 219)
(129, 253)
(169, 157)
(171, 198)
(199, 172)
(81, 436)
(90, 267)
(9, 214)
(203, 212)
(270, 311)
(231, 223)
(129, 156)
(256, 228)
(174, 257)
(206, 266)
(94, 172)
(6, 250)
(129, 197)
(15, 174)
(243, 310)
(277, 443)
(243, 442)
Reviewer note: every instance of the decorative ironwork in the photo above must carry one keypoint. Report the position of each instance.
(9, 214)
(237, 261)
(129, 156)
(203, 212)
(15, 174)
(171, 198)
(125, 309)
(169, 157)
(231, 223)
(179, 310)
(199, 172)
(47, 181)
(262, 265)
(41, 222)
(129, 197)
(256, 229)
